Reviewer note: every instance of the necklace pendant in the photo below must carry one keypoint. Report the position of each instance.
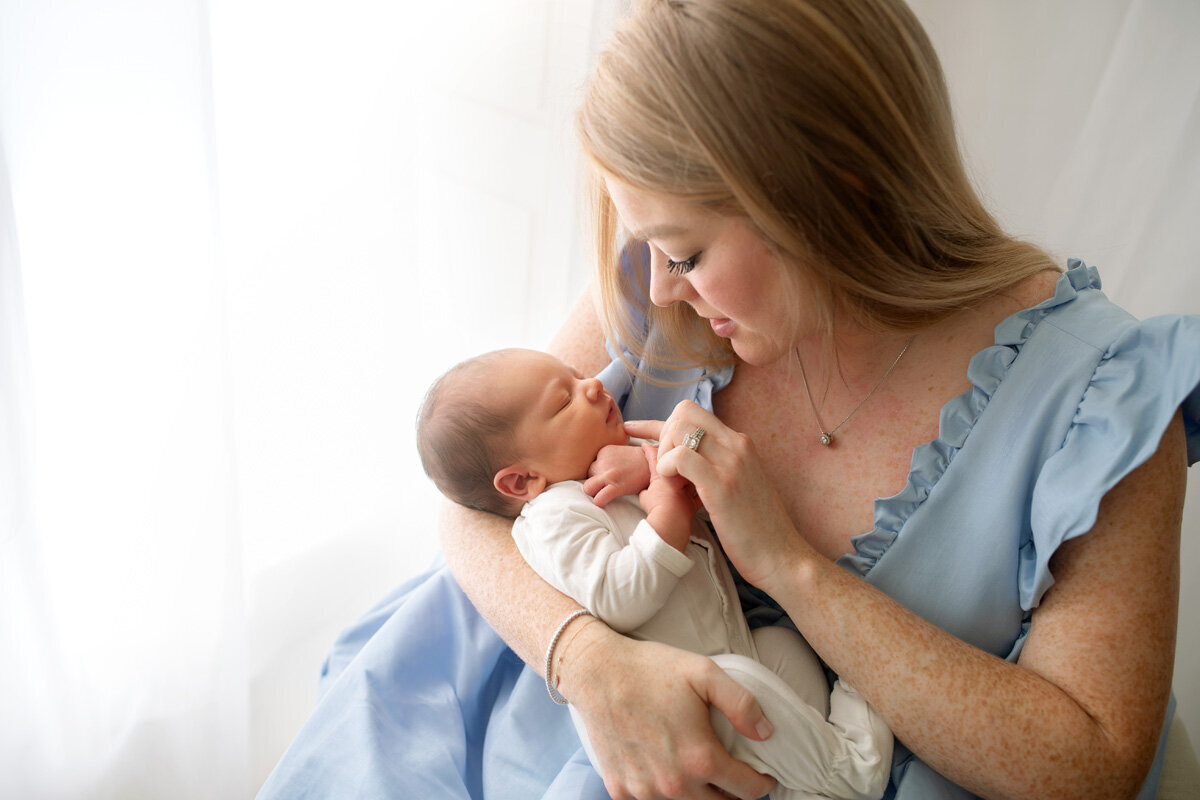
(826, 438)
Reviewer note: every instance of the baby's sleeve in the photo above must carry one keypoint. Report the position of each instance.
(579, 549)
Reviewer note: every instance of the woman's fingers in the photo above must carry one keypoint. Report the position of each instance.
(669, 466)
(649, 723)
(685, 419)
(675, 457)
(742, 781)
(703, 470)
(754, 527)
(644, 428)
(739, 705)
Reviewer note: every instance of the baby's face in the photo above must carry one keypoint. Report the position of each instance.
(564, 418)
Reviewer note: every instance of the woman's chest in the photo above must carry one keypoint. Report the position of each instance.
(830, 491)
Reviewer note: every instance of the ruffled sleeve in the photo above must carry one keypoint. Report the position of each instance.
(642, 399)
(1150, 370)
(1073, 395)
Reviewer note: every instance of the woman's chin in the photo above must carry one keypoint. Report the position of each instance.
(756, 351)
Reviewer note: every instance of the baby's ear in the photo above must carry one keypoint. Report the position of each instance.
(517, 482)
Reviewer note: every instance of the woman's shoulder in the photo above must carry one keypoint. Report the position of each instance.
(1033, 290)
(1078, 311)
(1071, 301)
(1050, 307)
(981, 321)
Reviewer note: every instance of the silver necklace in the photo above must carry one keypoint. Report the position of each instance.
(826, 438)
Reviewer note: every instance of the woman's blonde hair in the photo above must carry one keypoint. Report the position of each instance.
(827, 125)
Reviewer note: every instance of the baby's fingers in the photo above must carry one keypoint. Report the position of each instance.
(606, 495)
(651, 453)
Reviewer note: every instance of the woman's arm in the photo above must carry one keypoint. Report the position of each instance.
(1078, 716)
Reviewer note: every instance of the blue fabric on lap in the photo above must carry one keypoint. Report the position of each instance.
(421, 698)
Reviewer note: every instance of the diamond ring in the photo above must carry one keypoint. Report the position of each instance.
(692, 440)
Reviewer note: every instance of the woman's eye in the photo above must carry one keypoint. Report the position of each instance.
(681, 267)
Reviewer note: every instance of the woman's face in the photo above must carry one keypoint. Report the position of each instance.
(719, 265)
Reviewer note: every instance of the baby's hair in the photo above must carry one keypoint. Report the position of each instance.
(463, 440)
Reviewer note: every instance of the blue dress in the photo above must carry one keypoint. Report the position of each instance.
(421, 698)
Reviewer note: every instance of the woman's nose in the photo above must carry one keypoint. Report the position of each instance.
(665, 289)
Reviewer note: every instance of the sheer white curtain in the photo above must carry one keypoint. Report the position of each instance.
(122, 585)
(237, 240)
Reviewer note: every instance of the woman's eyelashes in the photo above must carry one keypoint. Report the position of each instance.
(681, 267)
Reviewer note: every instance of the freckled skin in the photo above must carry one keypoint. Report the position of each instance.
(832, 489)
(1100, 693)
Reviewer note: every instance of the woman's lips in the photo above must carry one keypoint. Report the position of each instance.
(722, 326)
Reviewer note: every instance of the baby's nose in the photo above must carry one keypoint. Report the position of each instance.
(593, 388)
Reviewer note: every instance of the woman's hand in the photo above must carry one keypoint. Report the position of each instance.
(619, 470)
(646, 709)
(755, 530)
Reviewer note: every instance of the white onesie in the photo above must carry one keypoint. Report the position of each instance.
(611, 561)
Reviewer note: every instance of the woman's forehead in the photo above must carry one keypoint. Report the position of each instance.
(650, 215)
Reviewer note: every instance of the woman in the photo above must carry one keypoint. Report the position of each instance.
(793, 171)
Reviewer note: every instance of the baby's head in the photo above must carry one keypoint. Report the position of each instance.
(497, 429)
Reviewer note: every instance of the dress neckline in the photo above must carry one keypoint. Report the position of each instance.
(986, 370)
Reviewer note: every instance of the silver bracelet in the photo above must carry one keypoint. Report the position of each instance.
(551, 682)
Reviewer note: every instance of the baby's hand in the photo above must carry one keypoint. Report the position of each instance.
(669, 503)
(618, 470)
